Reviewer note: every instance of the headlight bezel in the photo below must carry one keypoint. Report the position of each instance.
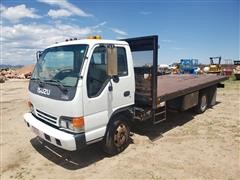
(67, 123)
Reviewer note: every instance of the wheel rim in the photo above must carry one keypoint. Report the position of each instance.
(121, 135)
(203, 103)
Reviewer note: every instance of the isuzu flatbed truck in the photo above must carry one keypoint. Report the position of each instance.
(90, 90)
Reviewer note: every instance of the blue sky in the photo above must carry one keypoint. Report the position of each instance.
(186, 29)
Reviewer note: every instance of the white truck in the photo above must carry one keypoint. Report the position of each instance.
(90, 90)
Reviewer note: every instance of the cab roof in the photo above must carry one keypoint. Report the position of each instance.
(90, 42)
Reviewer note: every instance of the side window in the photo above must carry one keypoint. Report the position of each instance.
(122, 62)
(97, 72)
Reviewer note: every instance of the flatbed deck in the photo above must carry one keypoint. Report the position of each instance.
(172, 86)
(177, 85)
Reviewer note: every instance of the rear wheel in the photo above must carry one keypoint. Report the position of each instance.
(202, 104)
(117, 136)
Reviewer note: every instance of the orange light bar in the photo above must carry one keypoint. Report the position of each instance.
(94, 37)
(78, 122)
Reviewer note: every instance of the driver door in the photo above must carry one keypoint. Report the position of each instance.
(96, 95)
(99, 101)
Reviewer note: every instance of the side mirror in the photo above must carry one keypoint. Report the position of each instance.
(115, 78)
(38, 55)
(112, 61)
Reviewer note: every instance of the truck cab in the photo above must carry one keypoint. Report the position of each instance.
(78, 89)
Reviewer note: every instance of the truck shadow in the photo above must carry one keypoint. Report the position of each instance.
(73, 160)
(174, 119)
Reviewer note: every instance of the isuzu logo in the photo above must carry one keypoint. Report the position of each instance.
(43, 91)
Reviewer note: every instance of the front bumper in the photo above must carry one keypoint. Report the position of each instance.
(55, 136)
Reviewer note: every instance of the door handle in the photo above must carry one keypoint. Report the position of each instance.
(126, 93)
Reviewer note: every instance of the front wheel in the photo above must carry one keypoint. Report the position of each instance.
(202, 104)
(117, 136)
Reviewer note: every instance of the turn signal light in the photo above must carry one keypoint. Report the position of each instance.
(78, 122)
(30, 105)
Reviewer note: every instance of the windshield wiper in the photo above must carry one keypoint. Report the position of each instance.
(41, 83)
(58, 83)
(34, 78)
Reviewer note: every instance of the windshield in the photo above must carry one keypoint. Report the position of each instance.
(60, 64)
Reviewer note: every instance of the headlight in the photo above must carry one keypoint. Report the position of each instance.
(74, 124)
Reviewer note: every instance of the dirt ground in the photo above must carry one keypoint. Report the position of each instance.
(186, 146)
(25, 69)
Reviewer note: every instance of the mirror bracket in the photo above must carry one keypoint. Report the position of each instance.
(38, 54)
(115, 78)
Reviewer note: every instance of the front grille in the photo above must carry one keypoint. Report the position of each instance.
(46, 117)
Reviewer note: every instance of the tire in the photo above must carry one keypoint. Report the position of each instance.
(202, 104)
(117, 136)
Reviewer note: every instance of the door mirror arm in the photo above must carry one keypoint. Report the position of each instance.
(110, 87)
(115, 79)
(38, 54)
